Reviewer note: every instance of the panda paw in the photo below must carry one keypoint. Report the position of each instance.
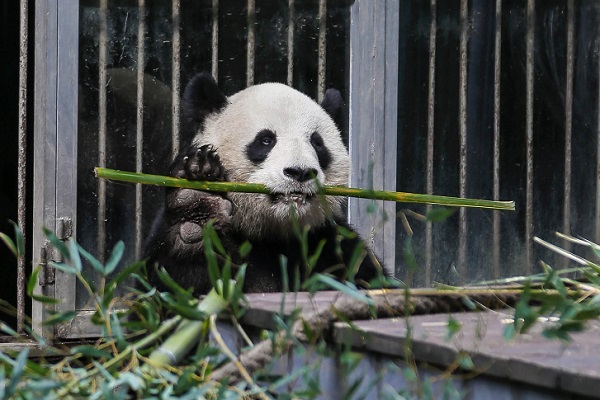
(202, 164)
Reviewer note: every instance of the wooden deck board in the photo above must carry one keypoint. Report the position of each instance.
(530, 358)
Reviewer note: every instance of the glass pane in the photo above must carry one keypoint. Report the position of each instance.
(109, 132)
(559, 200)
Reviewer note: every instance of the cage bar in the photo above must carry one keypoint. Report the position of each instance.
(102, 88)
(139, 128)
(430, 135)
(496, 165)
(251, 38)
(462, 104)
(568, 123)
(176, 75)
(530, 39)
(322, 49)
(597, 217)
(22, 160)
(290, 41)
(215, 39)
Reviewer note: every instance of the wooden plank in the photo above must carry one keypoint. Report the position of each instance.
(530, 358)
(373, 119)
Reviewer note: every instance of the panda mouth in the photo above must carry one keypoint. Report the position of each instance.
(298, 198)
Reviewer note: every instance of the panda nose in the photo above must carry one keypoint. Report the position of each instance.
(300, 174)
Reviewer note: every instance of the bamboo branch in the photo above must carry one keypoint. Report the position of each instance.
(402, 197)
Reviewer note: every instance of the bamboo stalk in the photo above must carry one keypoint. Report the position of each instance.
(176, 346)
(402, 197)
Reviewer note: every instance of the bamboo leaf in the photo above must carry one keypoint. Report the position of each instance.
(115, 257)
(96, 264)
(90, 351)
(60, 317)
(9, 243)
(439, 214)
(75, 258)
(69, 269)
(403, 197)
(18, 370)
(19, 240)
(337, 285)
(56, 242)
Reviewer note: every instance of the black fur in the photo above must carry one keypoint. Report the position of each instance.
(201, 98)
(333, 104)
(261, 146)
(322, 152)
(176, 242)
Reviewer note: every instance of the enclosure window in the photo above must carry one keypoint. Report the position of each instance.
(463, 98)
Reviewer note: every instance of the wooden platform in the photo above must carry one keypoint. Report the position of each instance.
(560, 370)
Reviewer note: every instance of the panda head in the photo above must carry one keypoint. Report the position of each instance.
(274, 135)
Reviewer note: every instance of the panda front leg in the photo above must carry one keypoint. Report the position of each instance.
(177, 243)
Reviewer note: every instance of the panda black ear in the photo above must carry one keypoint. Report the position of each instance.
(201, 98)
(333, 104)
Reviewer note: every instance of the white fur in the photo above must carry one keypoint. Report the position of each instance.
(293, 117)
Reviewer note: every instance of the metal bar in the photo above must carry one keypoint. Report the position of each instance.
(22, 161)
(462, 104)
(430, 136)
(529, 134)
(139, 139)
(44, 148)
(250, 51)
(497, 88)
(568, 122)
(67, 80)
(290, 41)
(322, 62)
(215, 39)
(597, 224)
(102, 113)
(176, 77)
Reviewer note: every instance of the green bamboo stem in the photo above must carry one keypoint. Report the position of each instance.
(403, 197)
(176, 346)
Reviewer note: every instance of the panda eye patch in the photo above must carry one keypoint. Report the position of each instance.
(258, 150)
(323, 155)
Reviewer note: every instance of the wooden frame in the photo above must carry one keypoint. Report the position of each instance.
(373, 120)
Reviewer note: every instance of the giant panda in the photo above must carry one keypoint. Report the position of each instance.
(270, 134)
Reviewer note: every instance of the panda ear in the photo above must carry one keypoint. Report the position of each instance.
(201, 98)
(333, 104)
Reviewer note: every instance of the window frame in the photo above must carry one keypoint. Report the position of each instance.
(373, 70)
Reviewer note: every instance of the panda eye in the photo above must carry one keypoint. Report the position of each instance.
(323, 154)
(258, 150)
(316, 141)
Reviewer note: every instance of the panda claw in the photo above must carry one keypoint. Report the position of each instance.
(203, 164)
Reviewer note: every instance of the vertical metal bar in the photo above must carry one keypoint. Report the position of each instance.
(597, 225)
(22, 161)
(430, 135)
(44, 147)
(66, 143)
(290, 41)
(529, 135)
(462, 228)
(497, 88)
(568, 121)
(322, 18)
(176, 75)
(215, 39)
(102, 82)
(250, 43)
(139, 139)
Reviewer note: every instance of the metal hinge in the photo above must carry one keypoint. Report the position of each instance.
(46, 276)
(48, 253)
